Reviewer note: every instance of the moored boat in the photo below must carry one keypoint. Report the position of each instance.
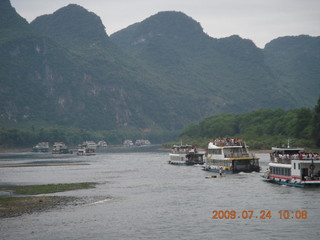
(60, 148)
(87, 148)
(185, 155)
(293, 167)
(41, 147)
(230, 156)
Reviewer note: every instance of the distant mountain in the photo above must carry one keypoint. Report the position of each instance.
(74, 27)
(220, 75)
(157, 75)
(295, 64)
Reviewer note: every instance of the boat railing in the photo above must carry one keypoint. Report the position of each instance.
(239, 155)
(222, 142)
(281, 160)
(288, 159)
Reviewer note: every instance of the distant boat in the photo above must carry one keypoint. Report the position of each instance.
(230, 156)
(87, 148)
(41, 147)
(185, 155)
(142, 142)
(102, 144)
(60, 148)
(128, 143)
(82, 151)
(293, 167)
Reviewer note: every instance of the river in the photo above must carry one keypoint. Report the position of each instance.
(140, 196)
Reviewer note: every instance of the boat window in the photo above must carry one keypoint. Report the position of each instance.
(215, 151)
(299, 166)
(232, 151)
(294, 166)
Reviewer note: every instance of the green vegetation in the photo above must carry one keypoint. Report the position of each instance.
(14, 206)
(261, 129)
(45, 189)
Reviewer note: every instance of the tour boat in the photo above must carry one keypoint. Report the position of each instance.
(41, 147)
(83, 151)
(87, 148)
(230, 156)
(60, 148)
(293, 167)
(185, 155)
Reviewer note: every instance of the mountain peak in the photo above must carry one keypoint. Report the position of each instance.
(171, 25)
(10, 20)
(172, 22)
(73, 25)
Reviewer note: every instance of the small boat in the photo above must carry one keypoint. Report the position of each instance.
(185, 155)
(83, 151)
(60, 148)
(293, 167)
(41, 147)
(87, 148)
(230, 156)
(128, 143)
(102, 144)
(142, 142)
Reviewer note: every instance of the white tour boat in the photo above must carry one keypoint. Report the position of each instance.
(87, 148)
(60, 148)
(293, 167)
(185, 155)
(230, 156)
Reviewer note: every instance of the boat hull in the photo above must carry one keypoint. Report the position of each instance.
(86, 154)
(286, 182)
(178, 163)
(186, 159)
(216, 170)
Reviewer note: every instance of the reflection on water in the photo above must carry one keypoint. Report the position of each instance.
(141, 196)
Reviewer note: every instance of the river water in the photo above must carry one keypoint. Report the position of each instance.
(141, 196)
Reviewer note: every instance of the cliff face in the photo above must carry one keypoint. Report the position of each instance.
(162, 73)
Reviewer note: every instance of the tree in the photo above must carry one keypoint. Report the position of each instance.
(316, 124)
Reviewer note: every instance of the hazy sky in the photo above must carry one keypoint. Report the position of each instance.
(258, 20)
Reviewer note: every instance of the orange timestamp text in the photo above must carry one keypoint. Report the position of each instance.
(262, 214)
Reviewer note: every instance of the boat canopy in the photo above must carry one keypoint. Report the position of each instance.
(280, 165)
(213, 146)
(182, 146)
(287, 150)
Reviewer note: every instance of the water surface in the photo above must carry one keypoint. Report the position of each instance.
(141, 196)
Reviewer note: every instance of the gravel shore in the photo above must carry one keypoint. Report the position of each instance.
(16, 206)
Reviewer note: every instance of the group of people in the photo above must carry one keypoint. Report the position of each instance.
(296, 156)
(227, 141)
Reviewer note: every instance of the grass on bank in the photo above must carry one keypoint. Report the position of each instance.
(45, 189)
(11, 206)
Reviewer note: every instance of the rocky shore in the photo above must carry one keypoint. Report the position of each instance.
(19, 200)
(17, 206)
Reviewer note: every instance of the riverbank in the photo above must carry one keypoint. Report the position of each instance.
(19, 200)
(14, 150)
(17, 206)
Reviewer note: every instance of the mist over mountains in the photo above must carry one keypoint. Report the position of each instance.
(161, 73)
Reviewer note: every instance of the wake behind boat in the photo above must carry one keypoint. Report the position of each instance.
(185, 155)
(293, 167)
(230, 156)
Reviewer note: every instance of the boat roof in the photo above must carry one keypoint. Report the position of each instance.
(213, 146)
(280, 165)
(287, 149)
(182, 146)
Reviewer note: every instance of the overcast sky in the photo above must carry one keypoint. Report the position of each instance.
(258, 20)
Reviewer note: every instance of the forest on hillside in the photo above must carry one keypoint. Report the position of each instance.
(261, 129)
